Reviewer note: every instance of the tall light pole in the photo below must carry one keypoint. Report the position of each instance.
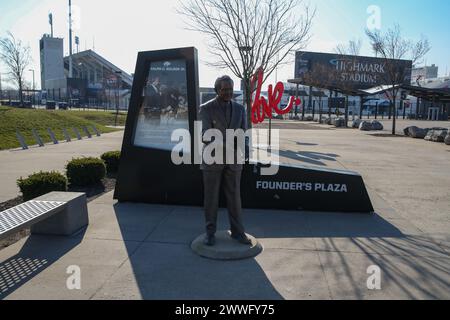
(270, 118)
(77, 42)
(34, 88)
(80, 64)
(119, 84)
(70, 40)
(50, 21)
(245, 50)
(276, 69)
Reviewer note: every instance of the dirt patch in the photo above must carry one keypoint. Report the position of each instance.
(292, 126)
(92, 192)
(10, 203)
(387, 135)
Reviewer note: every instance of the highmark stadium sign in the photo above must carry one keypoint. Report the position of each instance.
(360, 72)
(349, 72)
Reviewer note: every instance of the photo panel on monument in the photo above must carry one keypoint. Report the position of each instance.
(164, 106)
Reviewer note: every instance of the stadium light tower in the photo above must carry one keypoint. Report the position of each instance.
(50, 21)
(70, 40)
(77, 42)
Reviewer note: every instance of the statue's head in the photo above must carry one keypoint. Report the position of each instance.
(224, 87)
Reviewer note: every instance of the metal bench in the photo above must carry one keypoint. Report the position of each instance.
(56, 213)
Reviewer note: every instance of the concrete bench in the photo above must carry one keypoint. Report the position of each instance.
(56, 213)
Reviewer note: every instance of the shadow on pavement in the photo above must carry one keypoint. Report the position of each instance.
(289, 224)
(165, 267)
(413, 266)
(314, 158)
(307, 144)
(37, 254)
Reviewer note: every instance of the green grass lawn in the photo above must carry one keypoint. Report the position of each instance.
(24, 120)
(106, 118)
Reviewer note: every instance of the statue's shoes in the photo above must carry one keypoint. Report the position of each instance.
(242, 238)
(210, 240)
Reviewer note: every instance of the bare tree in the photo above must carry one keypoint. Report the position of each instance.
(391, 47)
(352, 48)
(245, 35)
(16, 56)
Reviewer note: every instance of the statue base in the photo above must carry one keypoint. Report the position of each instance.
(226, 248)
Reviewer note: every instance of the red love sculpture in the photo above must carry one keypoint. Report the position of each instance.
(261, 108)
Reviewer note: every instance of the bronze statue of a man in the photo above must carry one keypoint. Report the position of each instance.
(222, 113)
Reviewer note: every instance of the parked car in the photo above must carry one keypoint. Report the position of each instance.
(51, 105)
(63, 105)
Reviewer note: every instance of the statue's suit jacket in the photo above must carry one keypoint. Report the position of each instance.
(213, 117)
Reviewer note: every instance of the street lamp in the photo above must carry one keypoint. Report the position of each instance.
(80, 64)
(270, 119)
(1, 91)
(34, 88)
(82, 72)
(119, 83)
(245, 50)
(33, 79)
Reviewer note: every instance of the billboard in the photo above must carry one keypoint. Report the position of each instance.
(327, 70)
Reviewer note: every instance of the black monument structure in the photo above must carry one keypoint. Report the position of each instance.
(165, 97)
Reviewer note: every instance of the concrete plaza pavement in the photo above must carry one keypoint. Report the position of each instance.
(140, 251)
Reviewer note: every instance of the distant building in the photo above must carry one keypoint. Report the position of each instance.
(207, 94)
(52, 63)
(101, 81)
(427, 72)
(436, 83)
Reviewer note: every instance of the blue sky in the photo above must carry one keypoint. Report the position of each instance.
(122, 28)
(346, 19)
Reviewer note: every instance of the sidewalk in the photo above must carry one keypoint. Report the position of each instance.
(133, 251)
(140, 251)
(21, 163)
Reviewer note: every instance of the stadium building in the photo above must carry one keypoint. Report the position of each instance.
(95, 81)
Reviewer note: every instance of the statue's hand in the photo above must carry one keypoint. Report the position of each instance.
(247, 153)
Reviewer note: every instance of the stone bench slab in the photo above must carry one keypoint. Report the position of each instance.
(72, 218)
